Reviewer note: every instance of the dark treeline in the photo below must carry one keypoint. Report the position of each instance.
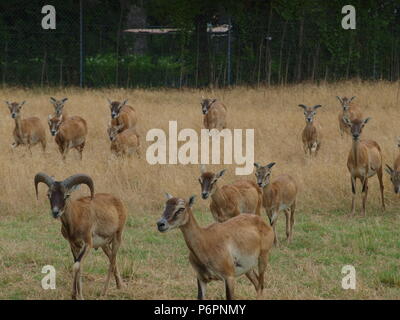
(271, 42)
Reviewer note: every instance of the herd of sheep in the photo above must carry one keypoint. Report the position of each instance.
(236, 243)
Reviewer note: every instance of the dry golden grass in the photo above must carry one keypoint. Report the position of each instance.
(156, 266)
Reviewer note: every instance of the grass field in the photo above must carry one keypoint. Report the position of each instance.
(155, 265)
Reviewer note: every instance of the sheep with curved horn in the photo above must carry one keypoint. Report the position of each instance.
(87, 222)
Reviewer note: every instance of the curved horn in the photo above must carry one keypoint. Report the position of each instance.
(77, 179)
(42, 177)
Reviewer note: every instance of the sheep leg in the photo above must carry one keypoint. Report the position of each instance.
(80, 150)
(107, 250)
(201, 289)
(252, 276)
(115, 247)
(262, 266)
(230, 288)
(77, 271)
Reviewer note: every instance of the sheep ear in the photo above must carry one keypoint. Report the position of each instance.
(351, 99)
(257, 165)
(302, 106)
(221, 173)
(123, 103)
(109, 101)
(168, 196)
(389, 170)
(65, 99)
(347, 121)
(202, 168)
(317, 106)
(340, 99)
(52, 100)
(270, 165)
(74, 188)
(22, 103)
(366, 120)
(191, 201)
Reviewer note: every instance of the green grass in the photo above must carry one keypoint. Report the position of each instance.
(155, 265)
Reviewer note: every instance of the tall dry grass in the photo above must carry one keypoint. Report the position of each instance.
(155, 265)
(273, 113)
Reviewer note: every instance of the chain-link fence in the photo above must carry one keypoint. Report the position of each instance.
(119, 49)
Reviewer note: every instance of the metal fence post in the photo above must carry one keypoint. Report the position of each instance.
(81, 47)
(229, 53)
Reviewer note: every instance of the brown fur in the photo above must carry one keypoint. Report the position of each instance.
(363, 162)
(222, 251)
(124, 143)
(311, 137)
(71, 133)
(216, 115)
(84, 219)
(87, 222)
(230, 200)
(29, 131)
(352, 112)
(127, 117)
(279, 195)
(394, 172)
